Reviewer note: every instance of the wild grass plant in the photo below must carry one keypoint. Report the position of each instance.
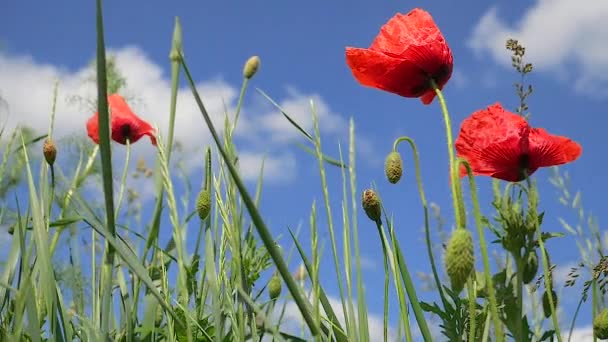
(235, 283)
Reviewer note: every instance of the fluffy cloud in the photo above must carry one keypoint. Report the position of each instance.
(292, 319)
(26, 87)
(564, 37)
(582, 334)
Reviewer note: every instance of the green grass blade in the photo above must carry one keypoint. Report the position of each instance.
(292, 121)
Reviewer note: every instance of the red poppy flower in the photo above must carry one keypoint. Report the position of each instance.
(124, 124)
(408, 52)
(501, 144)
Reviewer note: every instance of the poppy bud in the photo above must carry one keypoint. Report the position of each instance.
(547, 305)
(251, 67)
(49, 150)
(176, 44)
(371, 205)
(530, 267)
(203, 204)
(600, 325)
(459, 258)
(274, 287)
(393, 167)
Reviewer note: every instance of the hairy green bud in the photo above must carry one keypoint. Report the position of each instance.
(530, 267)
(251, 67)
(547, 305)
(600, 325)
(393, 167)
(49, 150)
(371, 205)
(274, 287)
(203, 204)
(460, 258)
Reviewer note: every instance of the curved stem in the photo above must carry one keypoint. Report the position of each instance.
(427, 229)
(454, 181)
(484, 251)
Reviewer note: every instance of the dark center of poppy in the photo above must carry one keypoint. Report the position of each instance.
(524, 165)
(125, 131)
(442, 73)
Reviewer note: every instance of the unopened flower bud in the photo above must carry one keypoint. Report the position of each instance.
(251, 67)
(49, 150)
(393, 167)
(600, 325)
(530, 267)
(176, 44)
(203, 204)
(547, 305)
(460, 258)
(371, 205)
(274, 287)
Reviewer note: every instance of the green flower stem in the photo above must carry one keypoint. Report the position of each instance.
(533, 202)
(303, 305)
(427, 228)
(484, 252)
(176, 50)
(454, 180)
(239, 103)
(386, 303)
(519, 263)
(593, 302)
(472, 308)
(388, 254)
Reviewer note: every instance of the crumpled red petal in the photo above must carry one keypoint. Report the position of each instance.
(408, 52)
(378, 70)
(501, 144)
(124, 124)
(550, 150)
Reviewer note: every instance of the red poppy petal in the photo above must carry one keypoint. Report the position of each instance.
(550, 150)
(93, 129)
(402, 30)
(378, 70)
(491, 141)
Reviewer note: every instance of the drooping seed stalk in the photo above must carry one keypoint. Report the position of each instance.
(427, 228)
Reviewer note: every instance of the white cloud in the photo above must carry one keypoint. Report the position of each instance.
(564, 37)
(27, 86)
(279, 168)
(582, 334)
(293, 319)
(298, 106)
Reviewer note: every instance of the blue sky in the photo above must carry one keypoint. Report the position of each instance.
(302, 51)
